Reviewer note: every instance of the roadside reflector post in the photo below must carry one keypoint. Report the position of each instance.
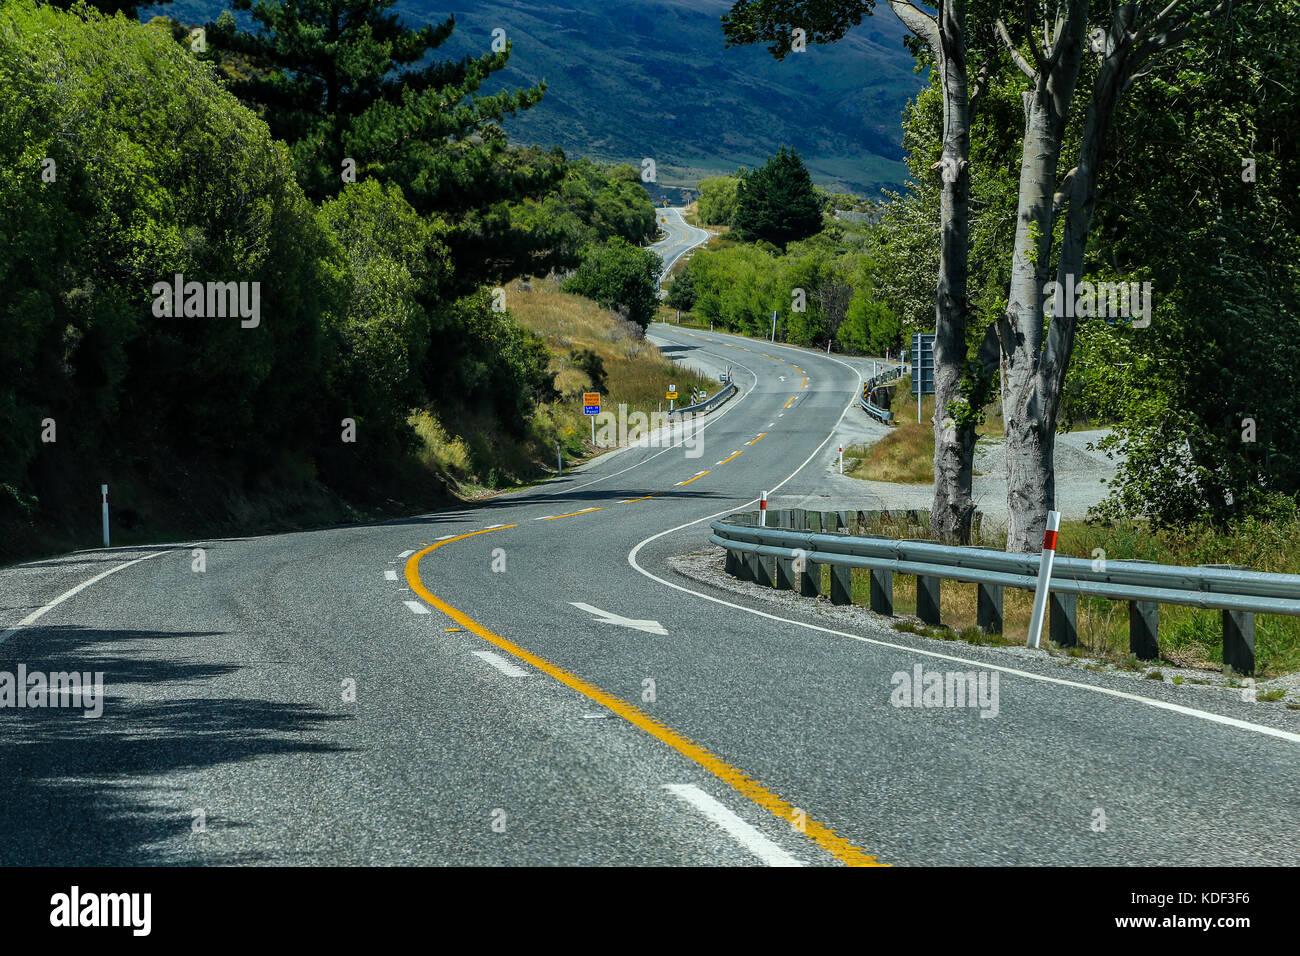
(762, 510)
(1044, 577)
(103, 490)
(559, 460)
(841, 459)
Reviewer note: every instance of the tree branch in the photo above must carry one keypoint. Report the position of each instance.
(1017, 57)
(919, 22)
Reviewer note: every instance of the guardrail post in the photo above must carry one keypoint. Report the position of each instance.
(1063, 619)
(1238, 632)
(761, 570)
(830, 522)
(841, 584)
(1239, 641)
(927, 598)
(1143, 628)
(988, 604)
(815, 522)
(882, 591)
(733, 563)
(785, 566)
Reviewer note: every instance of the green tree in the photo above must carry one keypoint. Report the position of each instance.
(717, 202)
(167, 174)
(619, 276)
(777, 202)
(352, 89)
(681, 292)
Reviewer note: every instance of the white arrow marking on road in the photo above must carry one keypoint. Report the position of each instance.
(406, 554)
(650, 627)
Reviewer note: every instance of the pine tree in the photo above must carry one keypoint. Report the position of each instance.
(777, 202)
(356, 93)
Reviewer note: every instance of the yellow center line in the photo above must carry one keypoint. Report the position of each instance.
(756, 440)
(569, 515)
(727, 459)
(787, 404)
(689, 480)
(805, 383)
(642, 498)
(819, 833)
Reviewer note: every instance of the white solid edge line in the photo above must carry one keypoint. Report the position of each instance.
(500, 663)
(390, 574)
(416, 607)
(744, 834)
(1123, 695)
(30, 618)
(698, 428)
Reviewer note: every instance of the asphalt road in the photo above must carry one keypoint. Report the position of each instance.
(430, 690)
(679, 237)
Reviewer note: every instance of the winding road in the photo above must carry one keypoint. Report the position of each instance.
(528, 680)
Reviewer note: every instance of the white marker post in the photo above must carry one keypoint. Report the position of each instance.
(841, 459)
(103, 490)
(762, 510)
(1044, 577)
(559, 459)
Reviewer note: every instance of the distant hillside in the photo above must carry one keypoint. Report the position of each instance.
(653, 78)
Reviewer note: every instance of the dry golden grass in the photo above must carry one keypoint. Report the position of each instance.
(906, 454)
(636, 373)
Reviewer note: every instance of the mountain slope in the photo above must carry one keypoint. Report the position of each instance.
(653, 79)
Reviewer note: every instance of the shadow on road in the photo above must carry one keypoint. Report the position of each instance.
(70, 790)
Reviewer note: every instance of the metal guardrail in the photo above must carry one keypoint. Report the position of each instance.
(1239, 593)
(710, 403)
(880, 414)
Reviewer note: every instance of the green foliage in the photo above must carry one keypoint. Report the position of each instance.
(138, 197)
(1223, 256)
(349, 80)
(592, 203)
(482, 360)
(619, 276)
(717, 202)
(681, 293)
(738, 288)
(592, 365)
(777, 202)
(396, 268)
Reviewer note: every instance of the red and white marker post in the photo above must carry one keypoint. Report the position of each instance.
(762, 510)
(841, 459)
(103, 490)
(1044, 577)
